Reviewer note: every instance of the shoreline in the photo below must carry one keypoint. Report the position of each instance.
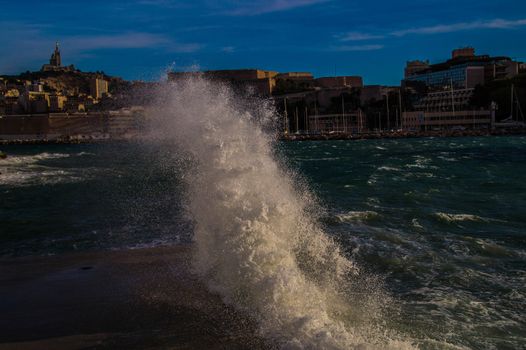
(403, 135)
(134, 299)
(86, 139)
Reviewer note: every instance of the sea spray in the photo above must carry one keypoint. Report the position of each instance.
(258, 244)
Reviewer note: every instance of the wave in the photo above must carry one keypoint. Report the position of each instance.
(388, 168)
(416, 224)
(23, 170)
(357, 216)
(460, 217)
(258, 242)
(30, 159)
(41, 177)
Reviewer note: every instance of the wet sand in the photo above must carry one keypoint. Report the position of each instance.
(134, 299)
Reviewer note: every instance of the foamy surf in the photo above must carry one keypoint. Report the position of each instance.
(25, 170)
(31, 159)
(357, 216)
(447, 217)
(259, 245)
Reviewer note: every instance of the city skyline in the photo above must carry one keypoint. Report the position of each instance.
(142, 39)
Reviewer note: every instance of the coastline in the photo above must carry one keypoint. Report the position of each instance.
(403, 134)
(134, 299)
(288, 137)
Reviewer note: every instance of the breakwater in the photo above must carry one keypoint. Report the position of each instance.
(104, 127)
(70, 128)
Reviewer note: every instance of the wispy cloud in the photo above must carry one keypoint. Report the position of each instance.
(346, 48)
(260, 7)
(132, 40)
(435, 29)
(228, 49)
(456, 27)
(172, 4)
(358, 36)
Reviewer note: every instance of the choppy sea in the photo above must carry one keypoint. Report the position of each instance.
(441, 221)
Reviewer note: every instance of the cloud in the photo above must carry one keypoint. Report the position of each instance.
(346, 48)
(456, 27)
(132, 40)
(155, 2)
(228, 49)
(163, 3)
(497, 23)
(260, 7)
(358, 36)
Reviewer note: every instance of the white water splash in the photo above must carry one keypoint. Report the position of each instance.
(258, 244)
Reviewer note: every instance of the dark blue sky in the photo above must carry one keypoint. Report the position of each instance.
(141, 39)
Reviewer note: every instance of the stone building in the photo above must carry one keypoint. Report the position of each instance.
(262, 81)
(55, 62)
(339, 81)
(98, 88)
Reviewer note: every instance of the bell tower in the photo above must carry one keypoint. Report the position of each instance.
(55, 57)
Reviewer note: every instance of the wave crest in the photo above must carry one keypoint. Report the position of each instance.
(447, 217)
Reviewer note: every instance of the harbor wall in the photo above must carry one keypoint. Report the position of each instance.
(70, 126)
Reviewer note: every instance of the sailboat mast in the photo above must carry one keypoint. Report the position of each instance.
(511, 113)
(452, 98)
(297, 123)
(286, 122)
(399, 121)
(519, 109)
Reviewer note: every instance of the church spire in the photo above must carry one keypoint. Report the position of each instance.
(55, 57)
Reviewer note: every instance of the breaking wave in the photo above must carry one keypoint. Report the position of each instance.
(24, 170)
(258, 240)
(31, 159)
(357, 216)
(460, 217)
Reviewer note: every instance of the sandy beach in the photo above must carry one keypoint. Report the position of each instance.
(133, 299)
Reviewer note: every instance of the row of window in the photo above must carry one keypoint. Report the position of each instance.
(456, 75)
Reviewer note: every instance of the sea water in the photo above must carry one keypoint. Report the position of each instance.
(341, 244)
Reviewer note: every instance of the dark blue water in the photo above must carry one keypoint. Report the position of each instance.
(441, 221)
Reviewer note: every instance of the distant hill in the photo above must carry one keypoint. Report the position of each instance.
(71, 82)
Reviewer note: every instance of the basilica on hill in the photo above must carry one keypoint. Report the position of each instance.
(55, 63)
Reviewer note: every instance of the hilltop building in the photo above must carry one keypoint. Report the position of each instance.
(56, 60)
(55, 63)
